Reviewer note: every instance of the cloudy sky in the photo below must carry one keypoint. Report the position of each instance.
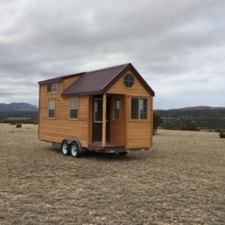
(178, 46)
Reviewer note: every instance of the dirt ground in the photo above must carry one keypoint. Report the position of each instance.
(181, 180)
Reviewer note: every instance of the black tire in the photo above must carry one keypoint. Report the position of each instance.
(123, 153)
(65, 148)
(74, 149)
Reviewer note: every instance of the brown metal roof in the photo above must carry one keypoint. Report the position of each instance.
(59, 79)
(97, 81)
(94, 82)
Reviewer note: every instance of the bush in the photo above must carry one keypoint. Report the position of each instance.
(18, 125)
(156, 122)
(222, 134)
(189, 125)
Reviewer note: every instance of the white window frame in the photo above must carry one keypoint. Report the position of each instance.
(52, 88)
(74, 107)
(51, 108)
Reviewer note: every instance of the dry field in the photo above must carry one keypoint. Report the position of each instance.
(180, 181)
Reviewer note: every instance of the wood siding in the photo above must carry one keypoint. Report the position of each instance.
(132, 133)
(61, 126)
(67, 82)
(139, 132)
(117, 127)
(120, 88)
(127, 132)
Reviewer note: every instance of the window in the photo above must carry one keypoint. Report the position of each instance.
(51, 108)
(74, 108)
(52, 87)
(139, 108)
(134, 108)
(129, 80)
(116, 109)
(98, 110)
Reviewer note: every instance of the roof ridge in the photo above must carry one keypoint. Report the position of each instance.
(58, 78)
(97, 82)
(108, 68)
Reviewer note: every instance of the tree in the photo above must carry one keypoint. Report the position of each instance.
(189, 125)
(156, 122)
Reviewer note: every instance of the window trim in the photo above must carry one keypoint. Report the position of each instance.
(127, 85)
(139, 109)
(52, 109)
(75, 108)
(52, 88)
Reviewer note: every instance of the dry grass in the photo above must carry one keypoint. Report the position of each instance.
(180, 181)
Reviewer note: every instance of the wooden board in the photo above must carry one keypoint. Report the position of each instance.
(61, 126)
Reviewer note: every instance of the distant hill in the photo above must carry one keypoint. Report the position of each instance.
(23, 112)
(204, 117)
(197, 108)
(18, 107)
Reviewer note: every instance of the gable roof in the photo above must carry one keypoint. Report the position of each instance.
(99, 81)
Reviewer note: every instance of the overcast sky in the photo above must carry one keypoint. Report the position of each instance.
(178, 46)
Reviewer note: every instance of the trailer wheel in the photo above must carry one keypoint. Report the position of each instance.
(123, 153)
(74, 149)
(65, 147)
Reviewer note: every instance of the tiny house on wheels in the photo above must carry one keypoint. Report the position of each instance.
(108, 110)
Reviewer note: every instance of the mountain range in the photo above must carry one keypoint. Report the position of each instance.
(197, 108)
(18, 107)
(203, 117)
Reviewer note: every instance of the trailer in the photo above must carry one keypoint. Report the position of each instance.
(108, 110)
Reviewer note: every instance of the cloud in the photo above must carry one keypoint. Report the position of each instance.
(178, 46)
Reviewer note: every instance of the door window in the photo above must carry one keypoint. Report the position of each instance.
(98, 110)
(116, 109)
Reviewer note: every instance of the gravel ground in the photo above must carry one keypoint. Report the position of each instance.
(181, 180)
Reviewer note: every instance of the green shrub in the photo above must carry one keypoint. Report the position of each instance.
(189, 125)
(156, 122)
(222, 134)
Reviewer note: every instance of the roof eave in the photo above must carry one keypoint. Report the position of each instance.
(141, 79)
(59, 79)
(76, 94)
(129, 66)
